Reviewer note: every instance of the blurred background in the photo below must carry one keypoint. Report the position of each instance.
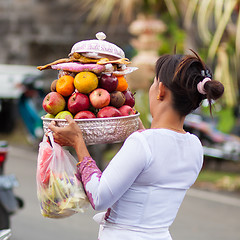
(37, 32)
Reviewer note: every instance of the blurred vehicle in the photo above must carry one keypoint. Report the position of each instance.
(9, 203)
(21, 89)
(216, 144)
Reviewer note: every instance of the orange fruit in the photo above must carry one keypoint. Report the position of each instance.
(122, 84)
(85, 82)
(65, 86)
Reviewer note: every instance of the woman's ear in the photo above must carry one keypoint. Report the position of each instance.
(162, 91)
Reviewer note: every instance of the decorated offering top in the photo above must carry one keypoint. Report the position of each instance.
(97, 48)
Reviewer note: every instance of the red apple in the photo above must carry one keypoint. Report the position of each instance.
(126, 110)
(109, 111)
(99, 98)
(84, 115)
(78, 102)
(130, 100)
(108, 82)
(53, 103)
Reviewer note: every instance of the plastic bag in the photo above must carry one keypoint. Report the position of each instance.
(59, 191)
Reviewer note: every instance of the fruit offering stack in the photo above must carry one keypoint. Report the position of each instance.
(91, 83)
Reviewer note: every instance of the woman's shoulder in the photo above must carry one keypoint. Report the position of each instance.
(144, 136)
(139, 134)
(165, 133)
(142, 133)
(140, 137)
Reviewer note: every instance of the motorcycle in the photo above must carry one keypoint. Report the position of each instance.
(216, 144)
(9, 203)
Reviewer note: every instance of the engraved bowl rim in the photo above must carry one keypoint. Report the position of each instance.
(91, 124)
(93, 119)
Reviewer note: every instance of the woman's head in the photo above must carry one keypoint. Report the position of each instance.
(189, 80)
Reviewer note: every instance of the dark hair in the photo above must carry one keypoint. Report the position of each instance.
(181, 74)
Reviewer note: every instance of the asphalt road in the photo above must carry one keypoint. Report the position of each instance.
(203, 215)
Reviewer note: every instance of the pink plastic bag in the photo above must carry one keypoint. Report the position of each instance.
(59, 191)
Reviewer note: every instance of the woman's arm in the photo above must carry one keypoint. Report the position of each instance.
(104, 189)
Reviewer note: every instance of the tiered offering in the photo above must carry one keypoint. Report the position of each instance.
(92, 85)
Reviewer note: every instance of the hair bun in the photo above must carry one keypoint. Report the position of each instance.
(214, 89)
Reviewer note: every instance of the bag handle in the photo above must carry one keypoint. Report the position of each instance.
(50, 138)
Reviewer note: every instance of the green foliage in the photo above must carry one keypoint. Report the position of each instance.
(224, 116)
(214, 176)
(142, 106)
(174, 36)
(203, 51)
(149, 6)
(226, 181)
(226, 120)
(111, 152)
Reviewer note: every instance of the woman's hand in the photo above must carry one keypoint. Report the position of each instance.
(70, 135)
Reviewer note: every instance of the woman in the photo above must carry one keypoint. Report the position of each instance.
(145, 183)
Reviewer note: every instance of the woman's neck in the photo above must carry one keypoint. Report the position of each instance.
(169, 120)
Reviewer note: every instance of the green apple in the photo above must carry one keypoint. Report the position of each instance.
(63, 114)
(49, 115)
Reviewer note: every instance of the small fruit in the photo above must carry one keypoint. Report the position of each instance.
(126, 110)
(99, 98)
(117, 99)
(85, 82)
(63, 114)
(108, 82)
(78, 102)
(108, 111)
(122, 84)
(84, 115)
(130, 100)
(53, 103)
(48, 115)
(53, 85)
(65, 86)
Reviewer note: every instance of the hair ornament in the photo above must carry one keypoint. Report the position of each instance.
(200, 85)
(206, 73)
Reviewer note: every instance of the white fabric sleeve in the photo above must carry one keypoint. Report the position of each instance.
(105, 189)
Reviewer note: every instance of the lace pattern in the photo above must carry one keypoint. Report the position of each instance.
(85, 170)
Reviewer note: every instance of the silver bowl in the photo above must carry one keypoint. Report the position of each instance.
(101, 130)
